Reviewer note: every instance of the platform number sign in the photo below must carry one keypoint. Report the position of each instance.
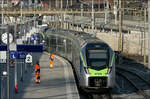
(13, 54)
(28, 58)
(2, 56)
(21, 55)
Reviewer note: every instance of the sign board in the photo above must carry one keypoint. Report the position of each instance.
(21, 55)
(30, 48)
(3, 47)
(2, 56)
(37, 38)
(32, 38)
(28, 58)
(2, 60)
(19, 41)
(13, 54)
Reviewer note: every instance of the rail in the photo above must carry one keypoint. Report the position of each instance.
(124, 73)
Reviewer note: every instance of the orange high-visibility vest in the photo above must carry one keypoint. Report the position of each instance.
(37, 67)
(37, 70)
(52, 56)
(37, 75)
(51, 64)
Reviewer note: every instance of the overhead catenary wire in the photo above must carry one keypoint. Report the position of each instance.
(120, 26)
(149, 34)
(94, 33)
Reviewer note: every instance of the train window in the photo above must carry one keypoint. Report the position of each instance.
(97, 57)
(97, 53)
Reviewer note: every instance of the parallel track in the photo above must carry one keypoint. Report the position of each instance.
(105, 95)
(136, 80)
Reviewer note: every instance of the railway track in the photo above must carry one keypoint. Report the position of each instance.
(136, 79)
(100, 96)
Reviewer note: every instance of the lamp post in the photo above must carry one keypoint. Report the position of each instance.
(15, 38)
(94, 33)
(2, 19)
(106, 11)
(21, 10)
(145, 20)
(120, 27)
(34, 15)
(148, 33)
(8, 64)
(4, 74)
(82, 28)
(92, 18)
(2, 6)
(115, 10)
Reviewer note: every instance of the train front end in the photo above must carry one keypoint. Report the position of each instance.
(97, 66)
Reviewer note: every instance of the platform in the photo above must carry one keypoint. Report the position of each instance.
(56, 83)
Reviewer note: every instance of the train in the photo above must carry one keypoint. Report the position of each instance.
(93, 60)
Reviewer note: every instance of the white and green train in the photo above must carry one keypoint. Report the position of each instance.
(92, 59)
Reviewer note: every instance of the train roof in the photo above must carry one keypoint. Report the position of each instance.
(82, 37)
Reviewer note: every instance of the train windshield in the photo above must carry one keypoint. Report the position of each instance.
(97, 58)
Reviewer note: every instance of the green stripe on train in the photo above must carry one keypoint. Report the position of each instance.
(82, 59)
(96, 73)
(112, 60)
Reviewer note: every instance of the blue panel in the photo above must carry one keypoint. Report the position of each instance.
(37, 38)
(32, 38)
(13, 54)
(21, 55)
(3, 47)
(30, 48)
(22, 30)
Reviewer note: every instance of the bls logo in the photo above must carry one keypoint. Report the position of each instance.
(98, 73)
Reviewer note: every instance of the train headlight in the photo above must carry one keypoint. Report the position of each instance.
(86, 70)
(109, 70)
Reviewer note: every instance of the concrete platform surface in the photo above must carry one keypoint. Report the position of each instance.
(56, 83)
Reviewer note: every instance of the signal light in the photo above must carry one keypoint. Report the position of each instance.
(11, 63)
(16, 88)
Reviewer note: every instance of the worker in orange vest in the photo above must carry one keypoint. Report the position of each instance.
(51, 60)
(52, 56)
(37, 72)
